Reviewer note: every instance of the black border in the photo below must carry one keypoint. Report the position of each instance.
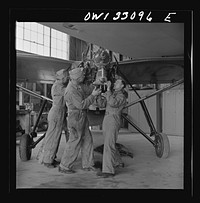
(78, 15)
(74, 15)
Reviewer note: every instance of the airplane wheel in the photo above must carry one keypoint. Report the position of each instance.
(24, 147)
(162, 145)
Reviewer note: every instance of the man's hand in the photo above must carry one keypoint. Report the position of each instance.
(108, 83)
(96, 92)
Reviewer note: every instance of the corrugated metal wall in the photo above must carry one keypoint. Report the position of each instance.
(172, 111)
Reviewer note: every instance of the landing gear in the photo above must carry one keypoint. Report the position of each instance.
(27, 143)
(25, 149)
(162, 146)
(161, 142)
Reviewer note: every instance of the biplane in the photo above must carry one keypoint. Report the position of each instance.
(156, 49)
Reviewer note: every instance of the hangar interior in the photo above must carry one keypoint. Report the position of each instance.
(166, 110)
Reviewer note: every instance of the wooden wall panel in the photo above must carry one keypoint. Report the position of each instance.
(173, 112)
(77, 47)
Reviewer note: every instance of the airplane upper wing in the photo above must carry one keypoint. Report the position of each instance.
(136, 40)
(32, 67)
(154, 70)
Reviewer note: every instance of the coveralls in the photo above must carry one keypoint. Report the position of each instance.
(111, 125)
(56, 119)
(80, 137)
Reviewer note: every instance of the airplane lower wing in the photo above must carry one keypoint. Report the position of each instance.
(154, 70)
(32, 67)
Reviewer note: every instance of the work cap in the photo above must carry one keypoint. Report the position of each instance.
(75, 64)
(76, 73)
(61, 74)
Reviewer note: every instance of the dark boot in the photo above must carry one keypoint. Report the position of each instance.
(105, 175)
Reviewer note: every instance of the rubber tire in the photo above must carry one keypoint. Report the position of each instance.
(24, 147)
(163, 146)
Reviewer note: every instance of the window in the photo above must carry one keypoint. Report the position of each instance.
(39, 39)
(59, 44)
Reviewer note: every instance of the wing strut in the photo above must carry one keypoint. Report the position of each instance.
(155, 93)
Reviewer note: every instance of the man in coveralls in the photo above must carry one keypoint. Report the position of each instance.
(80, 138)
(111, 125)
(56, 121)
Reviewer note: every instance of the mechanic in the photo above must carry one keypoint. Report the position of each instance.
(56, 122)
(114, 103)
(80, 137)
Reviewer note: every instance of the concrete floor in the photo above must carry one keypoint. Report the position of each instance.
(144, 171)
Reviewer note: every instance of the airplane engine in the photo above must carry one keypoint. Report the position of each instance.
(98, 70)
